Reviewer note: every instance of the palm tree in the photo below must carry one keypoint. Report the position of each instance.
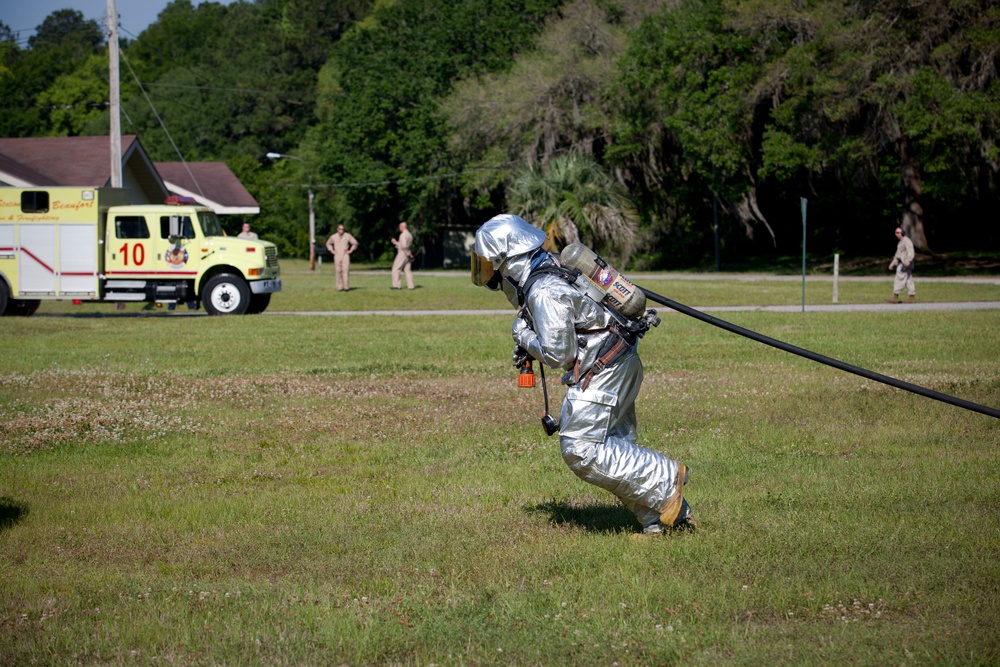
(573, 198)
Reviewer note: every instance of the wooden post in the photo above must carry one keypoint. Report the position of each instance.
(803, 200)
(715, 230)
(836, 276)
(312, 232)
(116, 121)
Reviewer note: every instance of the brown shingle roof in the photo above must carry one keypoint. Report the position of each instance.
(79, 161)
(86, 162)
(213, 185)
(21, 174)
(83, 161)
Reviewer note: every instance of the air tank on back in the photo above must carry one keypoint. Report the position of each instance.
(618, 291)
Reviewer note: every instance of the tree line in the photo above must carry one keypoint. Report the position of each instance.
(642, 128)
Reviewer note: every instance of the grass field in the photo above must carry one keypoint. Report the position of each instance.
(374, 490)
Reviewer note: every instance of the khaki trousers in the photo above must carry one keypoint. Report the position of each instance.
(904, 279)
(342, 269)
(402, 263)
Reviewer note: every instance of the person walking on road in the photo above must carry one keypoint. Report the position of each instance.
(902, 262)
(341, 244)
(404, 257)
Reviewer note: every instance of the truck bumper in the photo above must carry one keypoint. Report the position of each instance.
(265, 286)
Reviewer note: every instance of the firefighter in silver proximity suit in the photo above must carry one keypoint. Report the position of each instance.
(562, 327)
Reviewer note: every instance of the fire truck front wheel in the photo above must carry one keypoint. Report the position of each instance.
(225, 294)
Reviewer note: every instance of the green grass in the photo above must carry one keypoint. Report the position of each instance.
(376, 490)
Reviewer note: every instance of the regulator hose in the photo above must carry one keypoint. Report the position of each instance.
(829, 361)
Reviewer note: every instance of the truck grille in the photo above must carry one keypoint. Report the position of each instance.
(271, 256)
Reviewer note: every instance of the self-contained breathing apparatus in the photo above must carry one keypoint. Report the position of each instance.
(581, 267)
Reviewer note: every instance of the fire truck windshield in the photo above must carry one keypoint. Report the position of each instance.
(209, 224)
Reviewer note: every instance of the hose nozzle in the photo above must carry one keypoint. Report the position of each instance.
(526, 378)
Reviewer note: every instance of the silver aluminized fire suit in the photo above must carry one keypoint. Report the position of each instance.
(564, 328)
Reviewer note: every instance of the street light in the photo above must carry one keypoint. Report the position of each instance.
(312, 213)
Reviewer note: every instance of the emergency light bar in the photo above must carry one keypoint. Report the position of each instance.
(175, 200)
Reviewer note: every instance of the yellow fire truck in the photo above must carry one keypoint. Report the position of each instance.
(87, 244)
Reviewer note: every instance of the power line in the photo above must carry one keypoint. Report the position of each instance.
(163, 125)
(217, 88)
(22, 40)
(391, 181)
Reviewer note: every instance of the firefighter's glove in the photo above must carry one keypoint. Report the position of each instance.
(520, 356)
(522, 333)
(526, 338)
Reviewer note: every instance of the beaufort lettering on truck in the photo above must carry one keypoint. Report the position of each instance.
(76, 206)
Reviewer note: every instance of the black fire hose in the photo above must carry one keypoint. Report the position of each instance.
(773, 342)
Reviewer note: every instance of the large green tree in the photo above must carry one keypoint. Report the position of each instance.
(234, 80)
(557, 99)
(881, 111)
(855, 86)
(687, 118)
(66, 29)
(381, 135)
(573, 199)
(846, 103)
(63, 42)
(77, 101)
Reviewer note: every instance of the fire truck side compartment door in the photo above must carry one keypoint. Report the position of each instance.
(78, 259)
(37, 260)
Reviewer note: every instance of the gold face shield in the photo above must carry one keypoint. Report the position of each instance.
(483, 272)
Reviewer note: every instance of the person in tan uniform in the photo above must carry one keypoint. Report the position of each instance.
(246, 233)
(404, 257)
(902, 262)
(341, 244)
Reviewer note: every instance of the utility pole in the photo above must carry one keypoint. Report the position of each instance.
(116, 121)
(312, 211)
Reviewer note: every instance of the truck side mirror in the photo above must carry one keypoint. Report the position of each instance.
(176, 227)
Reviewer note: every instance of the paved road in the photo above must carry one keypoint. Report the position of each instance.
(755, 277)
(745, 277)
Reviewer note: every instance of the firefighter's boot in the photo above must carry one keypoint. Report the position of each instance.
(672, 508)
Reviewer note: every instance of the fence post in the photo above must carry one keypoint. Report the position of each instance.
(803, 254)
(836, 276)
